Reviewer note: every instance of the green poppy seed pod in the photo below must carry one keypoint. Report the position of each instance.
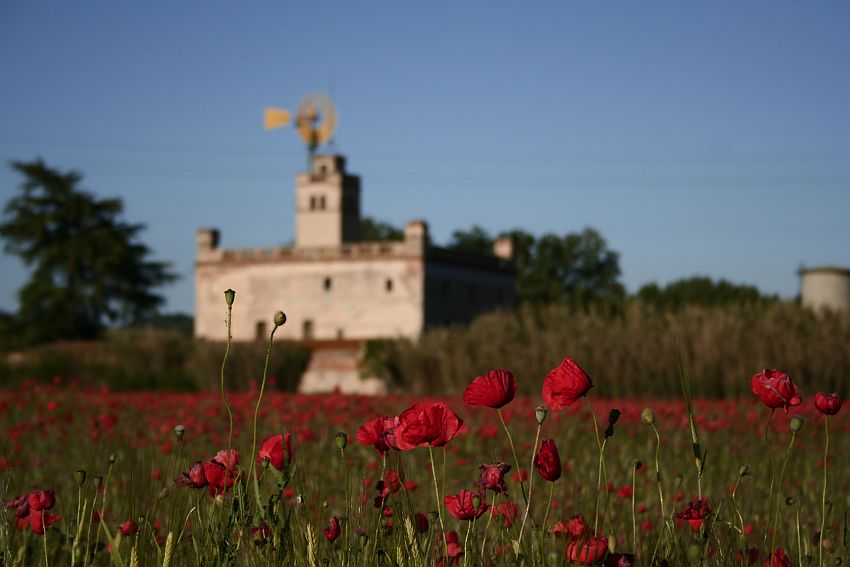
(744, 470)
(648, 416)
(362, 540)
(797, 423)
(141, 520)
(341, 440)
(540, 414)
(229, 297)
(279, 318)
(80, 477)
(476, 501)
(179, 431)
(98, 480)
(112, 459)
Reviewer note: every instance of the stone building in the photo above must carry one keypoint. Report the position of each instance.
(338, 291)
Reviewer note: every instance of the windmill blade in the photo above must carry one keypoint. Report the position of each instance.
(275, 118)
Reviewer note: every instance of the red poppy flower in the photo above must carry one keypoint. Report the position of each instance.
(41, 499)
(332, 531)
(421, 522)
(493, 390)
(575, 528)
(508, 510)
(565, 384)
(129, 528)
(426, 423)
(374, 433)
(195, 478)
(620, 560)
(828, 404)
(41, 520)
(775, 389)
(278, 450)
(696, 512)
(455, 551)
(588, 552)
(547, 461)
(463, 505)
(493, 477)
(778, 559)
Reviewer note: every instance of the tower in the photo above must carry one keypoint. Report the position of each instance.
(327, 204)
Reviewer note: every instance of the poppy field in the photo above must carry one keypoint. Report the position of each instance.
(92, 477)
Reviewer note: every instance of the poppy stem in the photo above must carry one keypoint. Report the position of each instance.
(513, 452)
(378, 520)
(487, 527)
(469, 525)
(44, 540)
(772, 476)
(660, 488)
(779, 491)
(254, 433)
(823, 496)
(530, 483)
(224, 394)
(634, 520)
(546, 518)
(439, 501)
(601, 447)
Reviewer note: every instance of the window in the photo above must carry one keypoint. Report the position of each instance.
(313, 203)
(260, 333)
(328, 284)
(323, 169)
(307, 329)
(340, 334)
(388, 285)
(322, 202)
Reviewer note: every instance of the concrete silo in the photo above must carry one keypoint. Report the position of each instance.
(826, 287)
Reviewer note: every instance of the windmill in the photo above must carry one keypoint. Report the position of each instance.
(315, 120)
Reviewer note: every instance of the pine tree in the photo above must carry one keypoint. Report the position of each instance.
(89, 269)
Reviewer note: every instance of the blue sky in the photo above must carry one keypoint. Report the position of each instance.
(699, 138)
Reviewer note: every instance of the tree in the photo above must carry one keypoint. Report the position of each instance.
(88, 268)
(700, 290)
(473, 241)
(577, 266)
(372, 230)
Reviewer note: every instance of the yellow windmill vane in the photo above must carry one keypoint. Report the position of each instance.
(315, 119)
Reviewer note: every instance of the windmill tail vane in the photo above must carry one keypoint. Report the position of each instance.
(315, 120)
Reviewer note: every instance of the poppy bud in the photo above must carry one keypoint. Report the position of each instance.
(112, 459)
(613, 416)
(80, 476)
(179, 431)
(648, 416)
(341, 440)
(797, 423)
(637, 464)
(540, 414)
(229, 296)
(789, 501)
(744, 471)
(98, 480)
(266, 461)
(612, 543)
(279, 318)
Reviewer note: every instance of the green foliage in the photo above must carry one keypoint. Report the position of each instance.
(631, 350)
(373, 230)
(577, 267)
(699, 290)
(88, 267)
(151, 359)
(473, 241)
